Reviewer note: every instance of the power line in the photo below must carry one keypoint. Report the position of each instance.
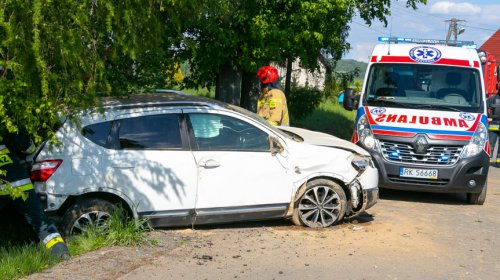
(371, 28)
(482, 28)
(400, 7)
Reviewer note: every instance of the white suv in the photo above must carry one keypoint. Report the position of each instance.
(177, 159)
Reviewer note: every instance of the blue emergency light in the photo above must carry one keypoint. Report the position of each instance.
(463, 44)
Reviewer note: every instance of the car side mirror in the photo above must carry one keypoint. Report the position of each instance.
(351, 100)
(276, 146)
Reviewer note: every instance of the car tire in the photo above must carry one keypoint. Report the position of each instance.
(323, 204)
(478, 198)
(91, 211)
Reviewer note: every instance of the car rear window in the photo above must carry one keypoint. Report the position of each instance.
(98, 133)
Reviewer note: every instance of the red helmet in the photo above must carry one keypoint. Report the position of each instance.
(268, 74)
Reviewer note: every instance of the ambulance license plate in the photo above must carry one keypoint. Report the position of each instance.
(418, 173)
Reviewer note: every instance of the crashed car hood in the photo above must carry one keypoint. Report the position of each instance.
(323, 139)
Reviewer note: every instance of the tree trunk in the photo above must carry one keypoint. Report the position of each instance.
(228, 85)
(288, 78)
(250, 88)
(329, 81)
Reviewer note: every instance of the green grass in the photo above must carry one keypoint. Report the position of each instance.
(117, 232)
(200, 92)
(22, 255)
(17, 261)
(330, 117)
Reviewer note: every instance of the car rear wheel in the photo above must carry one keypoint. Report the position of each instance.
(477, 198)
(85, 213)
(323, 204)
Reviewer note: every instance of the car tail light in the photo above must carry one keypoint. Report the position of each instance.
(41, 171)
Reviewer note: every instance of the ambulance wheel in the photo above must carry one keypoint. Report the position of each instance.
(323, 204)
(88, 212)
(477, 198)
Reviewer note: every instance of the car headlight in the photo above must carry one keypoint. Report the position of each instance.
(365, 134)
(476, 143)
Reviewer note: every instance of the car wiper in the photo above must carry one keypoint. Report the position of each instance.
(437, 107)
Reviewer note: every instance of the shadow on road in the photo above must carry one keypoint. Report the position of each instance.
(423, 197)
(235, 225)
(279, 224)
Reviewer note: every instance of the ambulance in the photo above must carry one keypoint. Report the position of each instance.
(422, 116)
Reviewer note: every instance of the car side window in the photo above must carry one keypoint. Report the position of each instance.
(150, 132)
(98, 133)
(219, 132)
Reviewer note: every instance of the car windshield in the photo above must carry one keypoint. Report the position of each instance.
(429, 87)
(259, 119)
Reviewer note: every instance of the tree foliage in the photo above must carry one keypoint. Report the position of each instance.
(58, 56)
(249, 34)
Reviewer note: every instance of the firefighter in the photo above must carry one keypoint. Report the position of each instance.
(14, 147)
(493, 127)
(271, 104)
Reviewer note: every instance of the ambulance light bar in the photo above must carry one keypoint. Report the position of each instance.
(463, 44)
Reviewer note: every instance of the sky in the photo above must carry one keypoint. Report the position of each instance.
(481, 20)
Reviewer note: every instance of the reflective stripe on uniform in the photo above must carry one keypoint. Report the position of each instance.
(272, 102)
(52, 239)
(493, 127)
(22, 185)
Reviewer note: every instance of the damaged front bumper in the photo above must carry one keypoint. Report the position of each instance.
(363, 191)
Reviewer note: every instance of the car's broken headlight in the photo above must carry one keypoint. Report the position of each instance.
(360, 163)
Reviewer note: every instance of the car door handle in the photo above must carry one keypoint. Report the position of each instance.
(209, 163)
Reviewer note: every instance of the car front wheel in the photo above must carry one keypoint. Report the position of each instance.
(85, 213)
(323, 204)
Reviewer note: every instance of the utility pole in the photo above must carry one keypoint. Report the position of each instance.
(454, 29)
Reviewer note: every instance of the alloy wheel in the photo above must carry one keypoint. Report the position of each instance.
(319, 207)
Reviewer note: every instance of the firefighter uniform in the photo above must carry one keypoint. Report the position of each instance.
(271, 105)
(493, 131)
(13, 151)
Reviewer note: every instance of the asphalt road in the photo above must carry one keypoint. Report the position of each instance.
(407, 235)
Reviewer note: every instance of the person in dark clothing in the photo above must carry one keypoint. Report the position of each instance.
(493, 127)
(14, 147)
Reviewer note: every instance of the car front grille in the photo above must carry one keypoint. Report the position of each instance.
(418, 181)
(435, 155)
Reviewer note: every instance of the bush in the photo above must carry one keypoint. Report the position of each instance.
(302, 101)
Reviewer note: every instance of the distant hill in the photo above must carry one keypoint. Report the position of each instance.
(349, 65)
